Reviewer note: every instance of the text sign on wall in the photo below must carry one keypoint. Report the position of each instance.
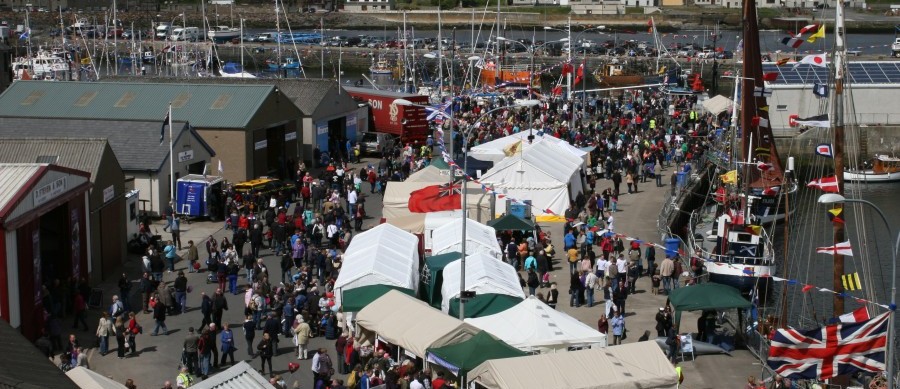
(261, 144)
(186, 155)
(290, 136)
(109, 193)
(322, 129)
(47, 192)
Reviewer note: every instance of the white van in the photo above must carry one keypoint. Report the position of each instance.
(185, 34)
(163, 30)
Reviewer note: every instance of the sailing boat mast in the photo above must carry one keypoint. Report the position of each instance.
(837, 114)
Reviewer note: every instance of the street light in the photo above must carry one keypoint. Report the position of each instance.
(465, 217)
(834, 198)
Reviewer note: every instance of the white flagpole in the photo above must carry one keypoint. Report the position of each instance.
(171, 162)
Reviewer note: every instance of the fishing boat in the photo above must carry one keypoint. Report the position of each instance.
(234, 70)
(222, 34)
(616, 74)
(730, 233)
(42, 64)
(381, 67)
(289, 63)
(882, 168)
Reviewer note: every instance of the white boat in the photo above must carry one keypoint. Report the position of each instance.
(883, 169)
(41, 64)
(221, 34)
(381, 67)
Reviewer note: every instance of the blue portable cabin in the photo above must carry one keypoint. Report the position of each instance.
(197, 195)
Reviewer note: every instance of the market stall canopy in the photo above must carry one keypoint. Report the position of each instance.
(498, 149)
(484, 275)
(396, 203)
(543, 175)
(354, 300)
(510, 222)
(718, 104)
(635, 365)
(484, 304)
(433, 276)
(383, 255)
(706, 296)
(533, 326)
(479, 239)
(462, 357)
(409, 323)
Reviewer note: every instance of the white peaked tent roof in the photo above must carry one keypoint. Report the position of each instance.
(493, 150)
(718, 104)
(480, 238)
(404, 321)
(532, 325)
(429, 174)
(484, 274)
(634, 365)
(384, 255)
(88, 379)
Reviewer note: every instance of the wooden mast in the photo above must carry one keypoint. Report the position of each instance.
(837, 105)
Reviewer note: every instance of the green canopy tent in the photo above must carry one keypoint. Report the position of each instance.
(511, 222)
(431, 283)
(354, 300)
(484, 305)
(439, 163)
(706, 296)
(462, 357)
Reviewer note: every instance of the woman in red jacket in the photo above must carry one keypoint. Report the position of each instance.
(133, 330)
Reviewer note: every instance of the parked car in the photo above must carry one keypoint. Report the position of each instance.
(725, 55)
(374, 143)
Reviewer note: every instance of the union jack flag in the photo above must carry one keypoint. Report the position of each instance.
(450, 190)
(830, 351)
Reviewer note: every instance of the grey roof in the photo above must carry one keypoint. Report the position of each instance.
(205, 105)
(24, 367)
(77, 153)
(13, 176)
(307, 94)
(239, 376)
(135, 143)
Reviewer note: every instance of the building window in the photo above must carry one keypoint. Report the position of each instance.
(781, 107)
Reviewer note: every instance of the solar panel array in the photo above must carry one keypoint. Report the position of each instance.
(858, 72)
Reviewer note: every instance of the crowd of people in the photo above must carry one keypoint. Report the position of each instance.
(283, 250)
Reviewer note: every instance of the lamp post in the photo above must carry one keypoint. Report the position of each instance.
(464, 192)
(834, 198)
(533, 50)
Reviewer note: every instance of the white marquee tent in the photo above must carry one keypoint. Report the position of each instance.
(484, 274)
(542, 174)
(86, 378)
(494, 150)
(480, 238)
(633, 365)
(533, 326)
(407, 322)
(396, 199)
(383, 255)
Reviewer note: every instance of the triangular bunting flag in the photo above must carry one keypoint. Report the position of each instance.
(839, 249)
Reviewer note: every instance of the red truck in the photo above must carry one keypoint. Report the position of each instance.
(409, 123)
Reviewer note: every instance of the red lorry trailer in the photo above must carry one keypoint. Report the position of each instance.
(409, 123)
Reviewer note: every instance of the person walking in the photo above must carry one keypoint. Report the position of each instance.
(219, 306)
(181, 288)
(190, 348)
(133, 330)
(192, 256)
(227, 341)
(205, 309)
(104, 328)
(666, 270)
(204, 349)
(159, 315)
(256, 240)
(170, 253)
(176, 232)
(301, 335)
(120, 331)
(266, 350)
(321, 367)
(249, 334)
(618, 326)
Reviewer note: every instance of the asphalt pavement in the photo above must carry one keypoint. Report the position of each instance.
(159, 356)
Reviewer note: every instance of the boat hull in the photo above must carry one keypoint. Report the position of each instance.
(871, 176)
(613, 81)
(222, 36)
(743, 283)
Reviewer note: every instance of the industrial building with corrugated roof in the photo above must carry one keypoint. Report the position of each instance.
(106, 200)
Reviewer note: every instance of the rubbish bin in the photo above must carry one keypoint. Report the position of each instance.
(672, 245)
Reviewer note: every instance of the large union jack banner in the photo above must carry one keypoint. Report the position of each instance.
(830, 351)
